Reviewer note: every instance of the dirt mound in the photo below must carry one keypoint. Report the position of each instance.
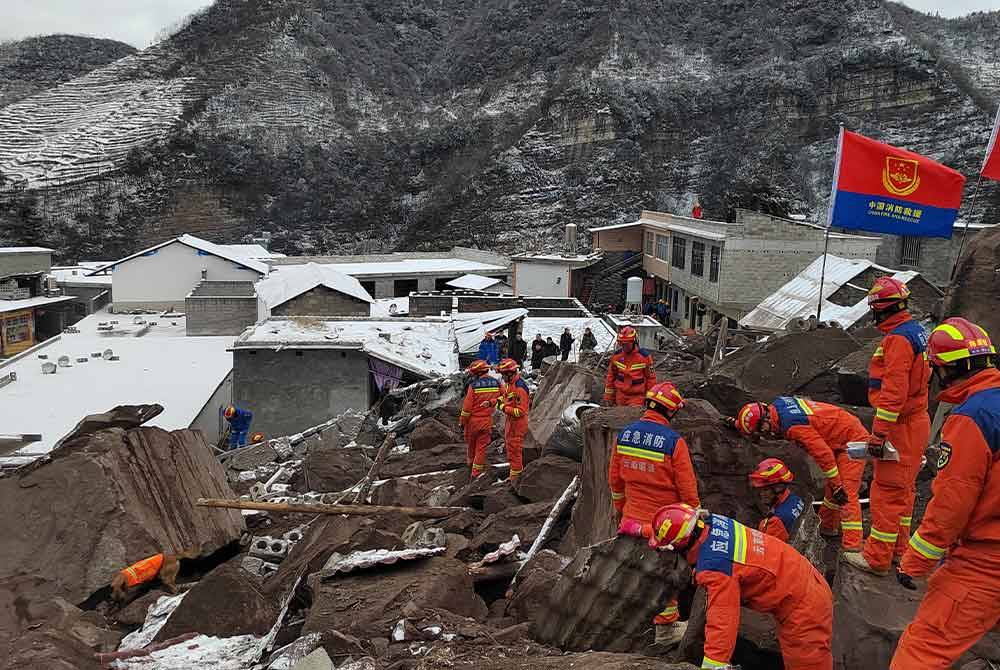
(546, 478)
(110, 498)
(328, 468)
(368, 604)
(584, 661)
(430, 433)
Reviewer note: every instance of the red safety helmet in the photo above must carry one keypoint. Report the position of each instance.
(771, 471)
(885, 293)
(229, 412)
(507, 365)
(958, 339)
(627, 334)
(257, 438)
(478, 368)
(664, 395)
(750, 416)
(673, 526)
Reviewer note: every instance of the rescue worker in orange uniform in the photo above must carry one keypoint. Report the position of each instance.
(515, 402)
(651, 467)
(823, 430)
(630, 372)
(784, 509)
(476, 417)
(962, 522)
(897, 389)
(740, 566)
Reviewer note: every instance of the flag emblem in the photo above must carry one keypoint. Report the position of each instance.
(900, 175)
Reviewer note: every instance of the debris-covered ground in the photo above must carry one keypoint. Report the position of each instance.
(426, 569)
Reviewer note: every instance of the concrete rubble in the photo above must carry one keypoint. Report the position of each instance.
(297, 591)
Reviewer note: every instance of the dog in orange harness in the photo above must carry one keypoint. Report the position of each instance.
(163, 566)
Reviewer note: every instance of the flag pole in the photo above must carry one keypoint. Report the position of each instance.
(829, 220)
(965, 232)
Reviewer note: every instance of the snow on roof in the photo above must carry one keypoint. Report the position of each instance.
(417, 266)
(79, 274)
(576, 260)
(28, 303)
(553, 327)
(220, 250)
(424, 346)
(289, 281)
(471, 327)
(252, 251)
(799, 297)
(383, 306)
(685, 230)
(158, 364)
(25, 250)
(474, 282)
(617, 226)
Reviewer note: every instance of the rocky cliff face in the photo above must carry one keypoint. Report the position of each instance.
(360, 126)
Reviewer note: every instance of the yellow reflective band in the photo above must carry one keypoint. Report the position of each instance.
(878, 353)
(464, 413)
(662, 398)
(883, 537)
(949, 356)
(668, 611)
(637, 366)
(478, 467)
(636, 452)
(850, 525)
(905, 521)
(954, 332)
(517, 413)
(617, 496)
(886, 415)
(490, 389)
(711, 663)
(514, 473)
(804, 406)
(619, 364)
(925, 548)
(609, 389)
(740, 543)
(832, 472)
(771, 470)
(830, 505)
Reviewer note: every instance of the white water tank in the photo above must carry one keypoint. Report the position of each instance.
(633, 291)
(570, 238)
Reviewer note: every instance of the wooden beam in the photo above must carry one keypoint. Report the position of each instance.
(356, 510)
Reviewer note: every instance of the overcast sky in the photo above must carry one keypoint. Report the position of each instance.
(138, 21)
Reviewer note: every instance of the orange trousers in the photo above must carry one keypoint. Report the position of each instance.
(962, 604)
(893, 490)
(477, 438)
(847, 518)
(513, 437)
(630, 399)
(805, 633)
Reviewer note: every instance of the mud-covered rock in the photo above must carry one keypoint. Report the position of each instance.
(329, 468)
(546, 478)
(530, 598)
(525, 521)
(560, 387)
(134, 614)
(435, 459)
(400, 492)
(430, 433)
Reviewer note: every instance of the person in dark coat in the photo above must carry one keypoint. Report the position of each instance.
(550, 349)
(588, 342)
(502, 344)
(565, 344)
(488, 350)
(537, 351)
(519, 350)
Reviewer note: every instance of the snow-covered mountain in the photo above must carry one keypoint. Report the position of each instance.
(347, 126)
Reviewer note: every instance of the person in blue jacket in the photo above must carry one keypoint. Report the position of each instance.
(488, 350)
(239, 425)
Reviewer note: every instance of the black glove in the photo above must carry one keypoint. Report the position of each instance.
(905, 580)
(728, 422)
(876, 445)
(839, 496)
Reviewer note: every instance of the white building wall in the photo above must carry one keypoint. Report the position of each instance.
(164, 278)
(542, 279)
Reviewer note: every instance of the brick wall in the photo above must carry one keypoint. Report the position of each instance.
(25, 263)
(619, 239)
(429, 305)
(222, 288)
(291, 390)
(323, 301)
(227, 315)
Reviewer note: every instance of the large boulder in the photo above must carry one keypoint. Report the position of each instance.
(525, 521)
(546, 478)
(401, 492)
(367, 604)
(560, 387)
(435, 459)
(976, 291)
(430, 433)
(328, 468)
(108, 498)
(530, 599)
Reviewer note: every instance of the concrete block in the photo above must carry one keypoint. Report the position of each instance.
(317, 660)
(269, 548)
(293, 536)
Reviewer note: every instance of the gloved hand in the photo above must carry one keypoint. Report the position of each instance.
(876, 445)
(839, 496)
(728, 422)
(905, 580)
(631, 527)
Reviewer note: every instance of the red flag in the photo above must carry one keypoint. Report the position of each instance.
(991, 164)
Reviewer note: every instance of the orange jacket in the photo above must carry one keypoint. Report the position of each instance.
(650, 467)
(782, 521)
(898, 372)
(823, 430)
(144, 571)
(629, 374)
(515, 401)
(741, 566)
(966, 505)
(480, 401)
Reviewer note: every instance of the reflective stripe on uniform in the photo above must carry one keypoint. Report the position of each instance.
(832, 472)
(878, 353)
(488, 389)
(882, 536)
(620, 364)
(617, 496)
(905, 521)
(636, 452)
(886, 415)
(464, 413)
(850, 525)
(925, 548)
(637, 366)
(830, 505)
(669, 610)
(707, 662)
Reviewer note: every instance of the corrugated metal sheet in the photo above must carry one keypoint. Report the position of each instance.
(362, 560)
(798, 298)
